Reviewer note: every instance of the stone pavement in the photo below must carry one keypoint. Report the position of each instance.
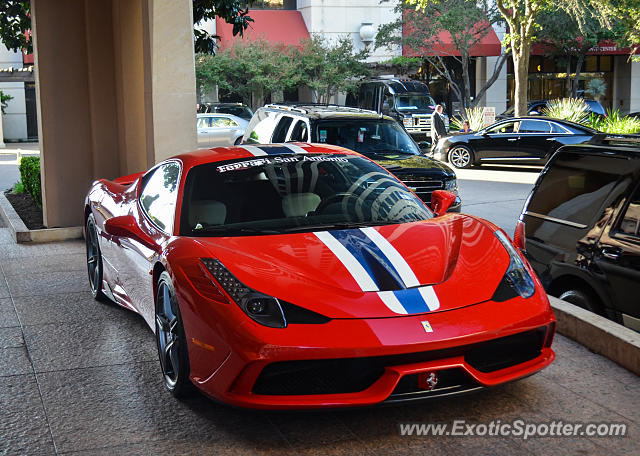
(78, 377)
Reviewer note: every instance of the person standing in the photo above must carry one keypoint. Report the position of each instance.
(438, 129)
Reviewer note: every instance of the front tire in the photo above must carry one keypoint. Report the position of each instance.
(461, 156)
(582, 298)
(94, 259)
(171, 339)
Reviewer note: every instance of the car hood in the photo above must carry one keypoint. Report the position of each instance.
(448, 262)
(400, 164)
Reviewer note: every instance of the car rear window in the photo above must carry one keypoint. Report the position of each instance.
(574, 186)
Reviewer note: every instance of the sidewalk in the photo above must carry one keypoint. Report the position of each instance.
(79, 377)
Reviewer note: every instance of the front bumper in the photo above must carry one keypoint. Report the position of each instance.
(399, 348)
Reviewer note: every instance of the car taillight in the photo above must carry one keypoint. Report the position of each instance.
(519, 238)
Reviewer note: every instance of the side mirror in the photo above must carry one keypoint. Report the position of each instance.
(424, 145)
(126, 226)
(441, 201)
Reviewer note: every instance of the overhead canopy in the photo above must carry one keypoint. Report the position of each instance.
(443, 45)
(276, 26)
(602, 48)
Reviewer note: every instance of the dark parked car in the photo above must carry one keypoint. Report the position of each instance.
(376, 136)
(522, 140)
(409, 102)
(582, 228)
(235, 109)
(535, 108)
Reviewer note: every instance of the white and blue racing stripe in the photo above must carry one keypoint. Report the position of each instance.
(280, 149)
(352, 247)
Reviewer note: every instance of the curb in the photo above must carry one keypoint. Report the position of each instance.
(598, 334)
(22, 234)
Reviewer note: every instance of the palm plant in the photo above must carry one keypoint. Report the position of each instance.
(615, 123)
(596, 88)
(572, 109)
(472, 115)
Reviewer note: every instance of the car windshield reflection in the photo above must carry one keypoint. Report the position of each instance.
(277, 194)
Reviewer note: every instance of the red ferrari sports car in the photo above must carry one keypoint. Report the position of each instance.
(305, 276)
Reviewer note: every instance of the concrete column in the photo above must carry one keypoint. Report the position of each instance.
(63, 101)
(496, 95)
(171, 121)
(634, 95)
(115, 87)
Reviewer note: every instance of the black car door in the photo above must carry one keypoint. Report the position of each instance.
(617, 256)
(497, 142)
(536, 140)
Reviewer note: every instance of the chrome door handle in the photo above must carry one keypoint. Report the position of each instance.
(611, 254)
(512, 139)
(550, 139)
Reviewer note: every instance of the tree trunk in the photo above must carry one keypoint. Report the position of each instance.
(576, 78)
(466, 102)
(568, 75)
(521, 74)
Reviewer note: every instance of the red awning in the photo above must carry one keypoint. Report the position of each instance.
(443, 45)
(602, 48)
(276, 26)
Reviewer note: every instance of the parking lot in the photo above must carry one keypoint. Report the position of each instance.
(80, 377)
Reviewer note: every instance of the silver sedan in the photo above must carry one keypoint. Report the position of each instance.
(217, 129)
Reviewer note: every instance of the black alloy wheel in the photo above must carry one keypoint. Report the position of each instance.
(461, 156)
(94, 259)
(171, 339)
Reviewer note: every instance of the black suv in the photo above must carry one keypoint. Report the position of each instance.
(373, 135)
(582, 227)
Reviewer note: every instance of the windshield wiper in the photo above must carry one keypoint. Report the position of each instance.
(335, 226)
(233, 230)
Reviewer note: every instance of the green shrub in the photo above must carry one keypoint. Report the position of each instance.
(615, 123)
(30, 175)
(18, 188)
(473, 115)
(572, 109)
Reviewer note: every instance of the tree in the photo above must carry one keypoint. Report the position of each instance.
(249, 69)
(329, 67)
(564, 38)
(467, 21)
(521, 17)
(232, 11)
(15, 22)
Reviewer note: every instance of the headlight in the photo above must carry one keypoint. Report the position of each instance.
(407, 121)
(260, 307)
(517, 280)
(451, 185)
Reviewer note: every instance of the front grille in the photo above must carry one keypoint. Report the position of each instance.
(421, 121)
(450, 381)
(350, 375)
(507, 351)
(422, 186)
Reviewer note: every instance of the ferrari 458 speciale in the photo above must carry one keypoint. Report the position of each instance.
(305, 276)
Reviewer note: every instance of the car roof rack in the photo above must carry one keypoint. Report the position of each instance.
(601, 139)
(307, 107)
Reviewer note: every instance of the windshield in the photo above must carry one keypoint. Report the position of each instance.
(369, 137)
(293, 193)
(240, 111)
(421, 102)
